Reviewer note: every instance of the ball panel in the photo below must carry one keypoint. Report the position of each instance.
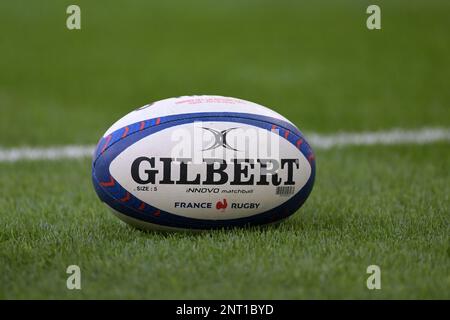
(193, 104)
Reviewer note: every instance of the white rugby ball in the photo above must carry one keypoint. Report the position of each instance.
(203, 162)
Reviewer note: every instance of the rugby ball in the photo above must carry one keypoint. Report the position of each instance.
(203, 162)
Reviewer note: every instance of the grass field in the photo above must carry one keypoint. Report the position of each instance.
(316, 63)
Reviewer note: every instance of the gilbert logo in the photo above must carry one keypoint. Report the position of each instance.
(222, 205)
(220, 139)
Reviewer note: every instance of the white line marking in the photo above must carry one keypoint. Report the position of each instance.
(317, 141)
(394, 136)
(52, 153)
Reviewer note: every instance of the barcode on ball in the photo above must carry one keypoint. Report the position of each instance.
(285, 190)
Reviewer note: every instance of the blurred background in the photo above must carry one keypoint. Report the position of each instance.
(316, 63)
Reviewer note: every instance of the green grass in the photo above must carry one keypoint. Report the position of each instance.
(316, 63)
(385, 206)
